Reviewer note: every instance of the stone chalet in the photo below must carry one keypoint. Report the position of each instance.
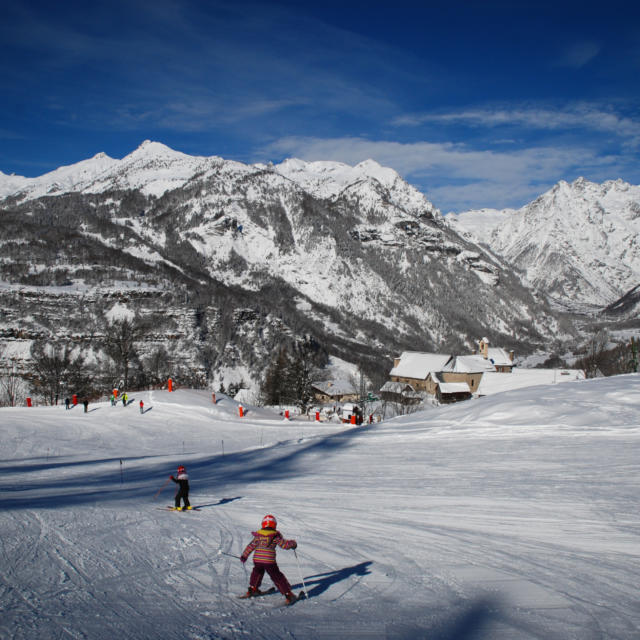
(334, 391)
(448, 392)
(414, 367)
(449, 378)
(502, 360)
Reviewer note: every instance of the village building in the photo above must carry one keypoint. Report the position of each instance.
(334, 391)
(502, 360)
(466, 370)
(400, 392)
(414, 367)
(449, 378)
(447, 392)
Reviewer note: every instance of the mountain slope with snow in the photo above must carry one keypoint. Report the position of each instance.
(577, 243)
(509, 517)
(353, 257)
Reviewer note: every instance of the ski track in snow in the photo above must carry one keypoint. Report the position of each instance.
(438, 525)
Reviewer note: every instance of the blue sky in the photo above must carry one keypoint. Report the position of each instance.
(478, 104)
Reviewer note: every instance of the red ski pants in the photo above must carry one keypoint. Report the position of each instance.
(274, 573)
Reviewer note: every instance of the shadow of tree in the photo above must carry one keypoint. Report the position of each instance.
(106, 480)
(469, 621)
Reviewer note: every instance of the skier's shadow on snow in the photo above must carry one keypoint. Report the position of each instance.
(221, 501)
(323, 581)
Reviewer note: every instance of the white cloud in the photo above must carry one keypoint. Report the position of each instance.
(454, 176)
(579, 54)
(587, 116)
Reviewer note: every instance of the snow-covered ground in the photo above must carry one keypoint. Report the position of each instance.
(513, 516)
(494, 382)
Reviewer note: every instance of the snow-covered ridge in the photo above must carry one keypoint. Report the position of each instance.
(155, 168)
(63, 179)
(325, 179)
(577, 242)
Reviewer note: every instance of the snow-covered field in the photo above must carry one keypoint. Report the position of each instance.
(508, 517)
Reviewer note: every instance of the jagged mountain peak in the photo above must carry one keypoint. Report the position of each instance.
(153, 149)
(332, 176)
(576, 243)
(330, 180)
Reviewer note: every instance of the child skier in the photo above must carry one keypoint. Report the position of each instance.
(183, 488)
(264, 544)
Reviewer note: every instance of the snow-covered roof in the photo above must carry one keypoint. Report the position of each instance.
(454, 387)
(334, 387)
(418, 365)
(468, 364)
(499, 357)
(396, 387)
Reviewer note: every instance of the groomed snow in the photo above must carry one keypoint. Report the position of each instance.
(509, 517)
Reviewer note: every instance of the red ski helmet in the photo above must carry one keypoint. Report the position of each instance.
(181, 469)
(269, 522)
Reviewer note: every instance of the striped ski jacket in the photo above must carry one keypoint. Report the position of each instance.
(264, 544)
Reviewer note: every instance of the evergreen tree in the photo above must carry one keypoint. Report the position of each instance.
(275, 387)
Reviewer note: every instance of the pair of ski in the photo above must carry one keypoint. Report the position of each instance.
(266, 592)
(179, 508)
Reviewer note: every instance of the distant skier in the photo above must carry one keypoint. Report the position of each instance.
(113, 400)
(66, 403)
(86, 405)
(141, 406)
(125, 399)
(183, 488)
(264, 544)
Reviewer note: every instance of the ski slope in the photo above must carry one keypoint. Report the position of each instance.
(513, 516)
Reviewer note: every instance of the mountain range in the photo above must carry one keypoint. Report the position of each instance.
(227, 262)
(578, 244)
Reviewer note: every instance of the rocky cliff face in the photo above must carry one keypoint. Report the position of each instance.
(229, 261)
(578, 244)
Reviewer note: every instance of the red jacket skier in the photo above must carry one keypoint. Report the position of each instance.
(264, 559)
(183, 488)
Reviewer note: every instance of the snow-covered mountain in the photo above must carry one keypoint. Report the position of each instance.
(237, 258)
(577, 243)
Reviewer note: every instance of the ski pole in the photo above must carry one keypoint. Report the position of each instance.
(304, 586)
(231, 555)
(161, 488)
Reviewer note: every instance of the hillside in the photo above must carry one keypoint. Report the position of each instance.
(228, 262)
(576, 243)
(509, 517)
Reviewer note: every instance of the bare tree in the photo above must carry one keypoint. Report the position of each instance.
(55, 369)
(13, 388)
(595, 359)
(157, 366)
(119, 343)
